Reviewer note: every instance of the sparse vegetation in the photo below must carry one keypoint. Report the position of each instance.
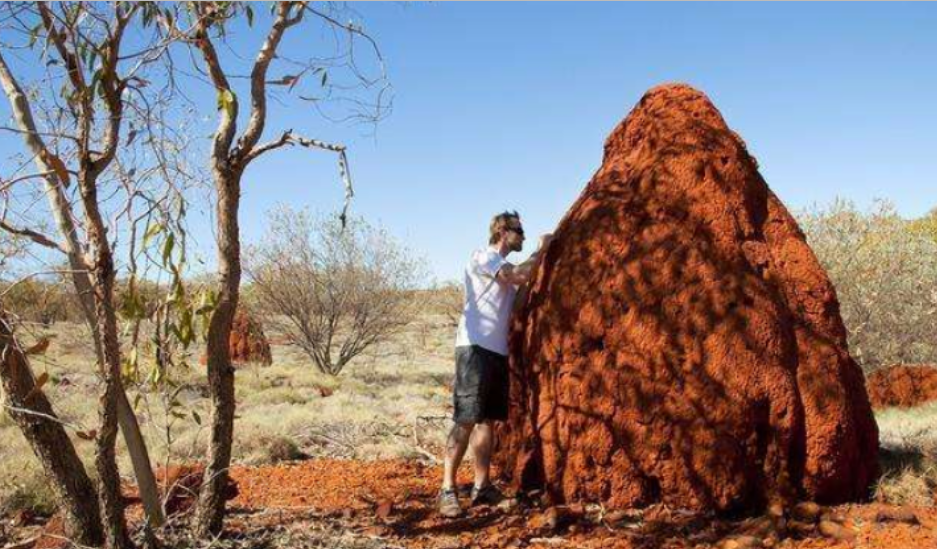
(333, 291)
(883, 267)
(392, 404)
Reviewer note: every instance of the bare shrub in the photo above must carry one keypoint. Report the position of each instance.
(447, 299)
(45, 300)
(883, 267)
(333, 292)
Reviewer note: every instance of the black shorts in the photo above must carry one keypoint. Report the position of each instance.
(481, 385)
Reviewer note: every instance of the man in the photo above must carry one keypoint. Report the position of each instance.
(481, 382)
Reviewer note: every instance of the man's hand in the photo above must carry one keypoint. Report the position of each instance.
(520, 274)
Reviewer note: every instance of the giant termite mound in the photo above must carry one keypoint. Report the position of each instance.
(679, 342)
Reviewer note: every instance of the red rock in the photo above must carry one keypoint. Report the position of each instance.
(807, 511)
(835, 531)
(901, 514)
(679, 341)
(384, 509)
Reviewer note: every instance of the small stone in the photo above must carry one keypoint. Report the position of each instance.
(748, 542)
(833, 516)
(760, 526)
(741, 542)
(903, 515)
(776, 509)
(835, 531)
(384, 509)
(800, 527)
(552, 518)
(507, 504)
(806, 511)
(615, 517)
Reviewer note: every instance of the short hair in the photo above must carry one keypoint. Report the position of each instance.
(499, 222)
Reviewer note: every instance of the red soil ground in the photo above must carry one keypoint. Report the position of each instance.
(394, 501)
(902, 385)
(680, 343)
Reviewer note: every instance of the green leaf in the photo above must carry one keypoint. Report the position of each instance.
(151, 232)
(226, 102)
(34, 34)
(249, 12)
(196, 417)
(325, 78)
(168, 245)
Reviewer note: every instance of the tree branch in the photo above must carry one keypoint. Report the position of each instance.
(35, 236)
(258, 117)
(6, 185)
(285, 139)
(227, 100)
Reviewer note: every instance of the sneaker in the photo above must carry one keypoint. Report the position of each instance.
(487, 495)
(449, 504)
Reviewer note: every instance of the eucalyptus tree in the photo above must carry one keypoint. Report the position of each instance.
(232, 151)
(78, 77)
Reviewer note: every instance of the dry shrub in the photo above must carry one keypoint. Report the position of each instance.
(333, 292)
(25, 488)
(447, 299)
(45, 300)
(884, 268)
(273, 449)
(909, 475)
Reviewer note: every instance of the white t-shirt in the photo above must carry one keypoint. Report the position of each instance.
(488, 303)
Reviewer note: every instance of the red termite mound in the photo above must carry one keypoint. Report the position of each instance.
(247, 342)
(903, 386)
(679, 342)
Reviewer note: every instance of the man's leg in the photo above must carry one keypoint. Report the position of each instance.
(482, 442)
(456, 445)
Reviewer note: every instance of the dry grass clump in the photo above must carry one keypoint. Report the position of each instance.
(24, 487)
(909, 456)
(269, 449)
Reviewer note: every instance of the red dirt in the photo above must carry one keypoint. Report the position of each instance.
(395, 502)
(680, 343)
(247, 343)
(902, 385)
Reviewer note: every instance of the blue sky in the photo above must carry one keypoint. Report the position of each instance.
(507, 106)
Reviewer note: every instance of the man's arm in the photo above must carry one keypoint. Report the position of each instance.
(520, 274)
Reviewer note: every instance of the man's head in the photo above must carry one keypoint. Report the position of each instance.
(506, 229)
